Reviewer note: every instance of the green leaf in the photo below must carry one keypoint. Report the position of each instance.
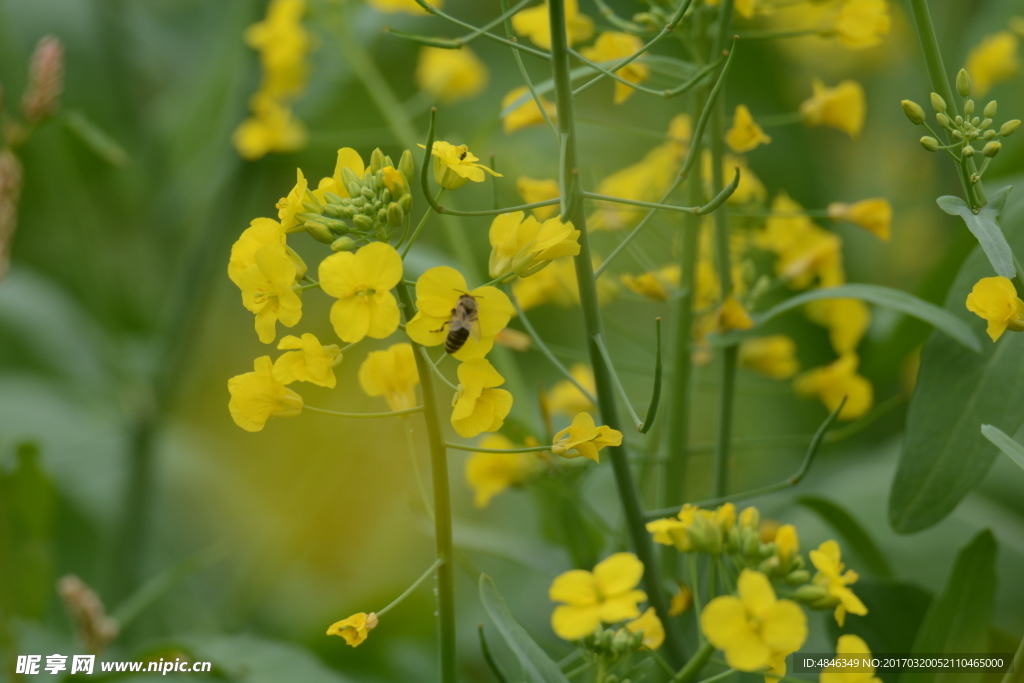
(944, 453)
(537, 666)
(886, 297)
(855, 535)
(251, 659)
(1004, 443)
(958, 620)
(96, 139)
(984, 225)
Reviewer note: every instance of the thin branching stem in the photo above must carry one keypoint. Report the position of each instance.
(599, 341)
(393, 413)
(484, 34)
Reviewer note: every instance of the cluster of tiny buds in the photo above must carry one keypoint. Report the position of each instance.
(611, 644)
(967, 130)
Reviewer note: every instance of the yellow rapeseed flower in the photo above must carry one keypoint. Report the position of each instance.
(557, 285)
(283, 44)
(362, 282)
(489, 474)
(584, 437)
(608, 594)
(745, 135)
(827, 560)
(613, 47)
(310, 362)
(391, 373)
(258, 396)
(656, 285)
(731, 315)
(454, 166)
(408, 6)
(526, 246)
(846, 319)
(526, 114)
(534, 23)
(745, 8)
(267, 290)
(874, 215)
(787, 542)
(354, 629)
(754, 629)
(675, 530)
(347, 158)
(260, 233)
(840, 107)
(862, 23)
(566, 399)
(804, 251)
(651, 626)
(830, 383)
(271, 128)
(773, 356)
(450, 75)
(437, 296)
(291, 204)
(850, 648)
(992, 61)
(750, 188)
(995, 299)
(477, 405)
(533, 191)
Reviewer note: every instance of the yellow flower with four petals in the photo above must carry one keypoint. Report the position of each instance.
(608, 594)
(258, 396)
(311, 361)
(585, 438)
(391, 373)
(362, 282)
(478, 406)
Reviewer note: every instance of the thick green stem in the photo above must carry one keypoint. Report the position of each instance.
(442, 506)
(572, 194)
(696, 663)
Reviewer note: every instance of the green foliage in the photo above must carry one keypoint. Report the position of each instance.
(1011, 448)
(985, 226)
(853, 532)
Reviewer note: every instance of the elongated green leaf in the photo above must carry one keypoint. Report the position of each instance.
(96, 139)
(944, 453)
(985, 226)
(853, 533)
(537, 666)
(959, 618)
(895, 299)
(1004, 443)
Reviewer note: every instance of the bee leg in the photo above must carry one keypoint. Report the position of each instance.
(440, 329)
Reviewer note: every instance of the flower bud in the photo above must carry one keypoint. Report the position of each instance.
(320, 232)
(975, 121)
(407, 165)
(376, 160)
(969, 107)
(989, 134)
(750, 518)
(751, 544)
(622, 641)
(959, 120)
(913, 111)
(345, 243)
(968, 151)
(958, 135)
(405, 202)
(809, 594)
(991, 148)
(985, 124)
(798, 577)
(938, 104)
(990, 109)
(1009, 127)
(943, 120)
(45, 81)
(930, 143)
(363, 222)
(396, 215)
(963, 83)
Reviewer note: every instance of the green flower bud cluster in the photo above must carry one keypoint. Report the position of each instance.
(377, 204)
(610, 645)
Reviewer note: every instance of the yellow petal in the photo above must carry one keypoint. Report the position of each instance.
(573, 623)
(619, 573)
(574, 587)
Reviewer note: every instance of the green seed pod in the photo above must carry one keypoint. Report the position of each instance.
(968, 107)
(376, 160)
(363, 222)
(343, 244)
(407, 165)
(943, 120)
(989, 134)
(913, 111)
(991, 148)
(963, 83)
(938, 104)
(968, 151)
(1009, 127)
(406, 202)
(799, 577)
(320, 232)
(396, 216)
(808, 594)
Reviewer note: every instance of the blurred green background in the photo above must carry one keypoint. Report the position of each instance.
(119, 329)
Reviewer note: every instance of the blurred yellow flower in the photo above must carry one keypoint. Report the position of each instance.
(750, 188)
(585, 438)
(609, 594)
(534, 24)
(408, 6)
(258, 396)
(513, 339)
(362, 282)
(454, 166)
(310, 362)
(526, 114)
(754, 629)
(271, 128)
(787, 542)
(995, 299)
(533, 191)
(992, 61)
(450, 75)
(827, 560)
(347, 158)
(651, 626)
(681, 601)
(850, 648)
(675, 530)
(613, 46)
(805, 252)
(656, 284)
(745, 8)
(750, 518)
(260, 233)
(489, 474)
(773, 356)
(874, 215)
(355, 628)
(437, 296)
(477, 405)
(731, 315)
(391, 373)
(830, 383)
(283, 44)
(745, 135)
(840, 107)
(526, 246)
(566, 399)
(847, 321)
(267, 290)
(862, 23)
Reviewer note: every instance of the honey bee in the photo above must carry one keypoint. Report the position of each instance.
(462, 324)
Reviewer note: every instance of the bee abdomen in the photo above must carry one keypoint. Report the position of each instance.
(455, 340)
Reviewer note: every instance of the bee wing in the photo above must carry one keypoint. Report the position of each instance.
(474, 330)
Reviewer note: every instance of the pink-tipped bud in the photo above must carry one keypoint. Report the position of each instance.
(10, 192)
(45, 80)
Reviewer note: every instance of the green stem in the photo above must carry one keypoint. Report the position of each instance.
(411, 445)
(696, 663)
(478, 449)
(408, 591)
(442, 507)
(599, 340)
(423, 221)
(393, 413)
(572, 194)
